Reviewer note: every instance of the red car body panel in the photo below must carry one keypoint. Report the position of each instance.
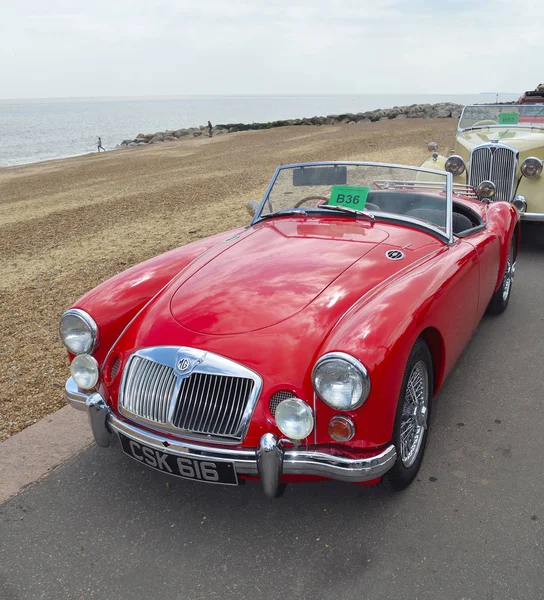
(115, 302)
(278, 295)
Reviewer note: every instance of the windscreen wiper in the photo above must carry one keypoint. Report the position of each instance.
(349, 211)
(283, 213)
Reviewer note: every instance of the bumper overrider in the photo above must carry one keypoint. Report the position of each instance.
(268, 462)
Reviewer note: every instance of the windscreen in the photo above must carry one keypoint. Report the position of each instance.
(388, 190)
(502, 115)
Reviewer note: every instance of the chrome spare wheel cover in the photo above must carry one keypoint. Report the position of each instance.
(414, 414)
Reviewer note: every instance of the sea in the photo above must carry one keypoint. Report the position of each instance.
(35, 130)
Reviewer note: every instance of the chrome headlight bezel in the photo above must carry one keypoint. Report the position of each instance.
(351, 365)
(531, 167)
(455, 165)
(87, 325)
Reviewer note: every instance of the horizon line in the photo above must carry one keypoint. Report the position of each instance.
(211, 96)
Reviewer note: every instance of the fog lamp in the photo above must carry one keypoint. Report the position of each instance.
(85, 371)
(341, 429)
(486, 189)
(294, 418)
(531, 167)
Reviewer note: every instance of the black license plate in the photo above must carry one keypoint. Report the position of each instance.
(209, 471)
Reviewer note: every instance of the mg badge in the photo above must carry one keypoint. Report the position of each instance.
(183, 364)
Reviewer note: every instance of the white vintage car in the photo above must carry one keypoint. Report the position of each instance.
(500, 147)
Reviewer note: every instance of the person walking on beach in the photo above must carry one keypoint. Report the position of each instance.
(100, 147)
(210, 127)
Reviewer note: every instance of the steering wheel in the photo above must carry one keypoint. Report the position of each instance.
(300, 202)
(485, 122)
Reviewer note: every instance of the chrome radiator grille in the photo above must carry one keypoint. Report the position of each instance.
(211, 396)
(212, 404)
(496, 164)
(148, 389)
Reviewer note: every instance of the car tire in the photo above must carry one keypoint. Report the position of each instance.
(412, 419)
(501, 297)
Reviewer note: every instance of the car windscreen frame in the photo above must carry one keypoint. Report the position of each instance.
(446, 236)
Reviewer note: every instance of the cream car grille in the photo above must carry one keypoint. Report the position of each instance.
(496, 164)
(198, 403)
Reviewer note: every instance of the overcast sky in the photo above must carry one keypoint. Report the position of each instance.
(68, 48)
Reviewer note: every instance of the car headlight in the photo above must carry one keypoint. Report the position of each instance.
(531, 167)
(341, 381)
(294, 418)
(85, 371)
(78, 331)
(455, 165)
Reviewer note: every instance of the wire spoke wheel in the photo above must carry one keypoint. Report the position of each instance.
(508, 276)
(412, 418)
(500, 299)
(414, 413)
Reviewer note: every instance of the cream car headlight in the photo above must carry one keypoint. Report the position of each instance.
(531, 167)
(294, 418)
(455, 165)
(78, 331)
(85, 371)
(341, 381)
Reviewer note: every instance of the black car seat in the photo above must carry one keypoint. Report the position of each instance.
(460, 223)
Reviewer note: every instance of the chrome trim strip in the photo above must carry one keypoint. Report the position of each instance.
(537, 217)
(449, 208)
(202, 364)
(449, 183)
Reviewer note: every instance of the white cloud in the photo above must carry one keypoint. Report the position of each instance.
(137, 47)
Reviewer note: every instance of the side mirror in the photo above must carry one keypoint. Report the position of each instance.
(252, 207)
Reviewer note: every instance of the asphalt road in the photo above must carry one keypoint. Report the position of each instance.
(470, 527)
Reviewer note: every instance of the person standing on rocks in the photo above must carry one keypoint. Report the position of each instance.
(100, 147)
(210, 127)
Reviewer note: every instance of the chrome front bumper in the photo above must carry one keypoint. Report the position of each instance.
(537, 217)
(268, 462)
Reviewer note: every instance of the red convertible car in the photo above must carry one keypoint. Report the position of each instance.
(307, 345)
